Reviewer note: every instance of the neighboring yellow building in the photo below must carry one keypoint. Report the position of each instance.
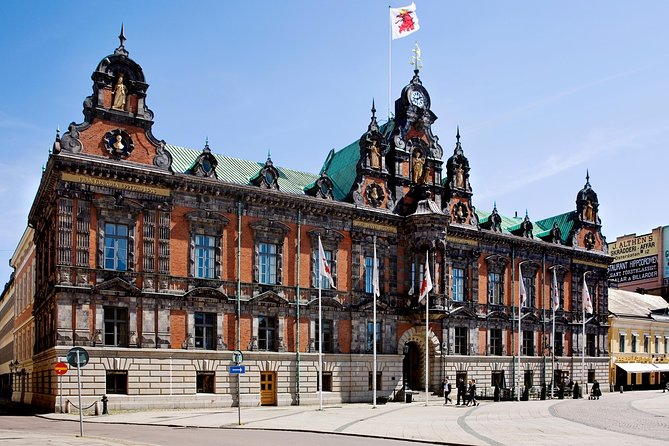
(638, 340)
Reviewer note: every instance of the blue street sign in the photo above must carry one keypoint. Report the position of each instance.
(236, 369)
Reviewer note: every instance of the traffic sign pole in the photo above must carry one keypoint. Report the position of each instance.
(60, 391)
(81, 411)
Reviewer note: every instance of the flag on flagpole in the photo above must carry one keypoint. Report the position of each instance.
(523, 291)
(403, 21)
(375, 275)
(556, 292)
(426, 285)
(324, 267)
(587, 301)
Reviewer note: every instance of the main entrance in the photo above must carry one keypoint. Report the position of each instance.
(412, 366)
(268, 388)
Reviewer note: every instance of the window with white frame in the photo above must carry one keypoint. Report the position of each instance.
(116, 246)
(634, 342)
(205, 256)
(205, 330)
(267, 262)
(646, 344)
(495, 288)
(657, 345)
(621, 343)
(461, 341)
(458, 284)
(267, 333)
(206, 238)
(269, 238)
(369, 274)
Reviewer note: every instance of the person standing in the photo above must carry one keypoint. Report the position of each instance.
(447, 391)
(461, 391)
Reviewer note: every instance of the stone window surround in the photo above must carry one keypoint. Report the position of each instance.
(496, 264)
(330, 240)
(334, 334)
(272, 232)
(205, 307)
(206, 223)
(119, 211)
(530, 270)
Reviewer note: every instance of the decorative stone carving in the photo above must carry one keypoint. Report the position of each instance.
(118, 143)
(70, 141)
(374, 194)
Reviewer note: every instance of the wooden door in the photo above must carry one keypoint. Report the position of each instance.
(268, 388)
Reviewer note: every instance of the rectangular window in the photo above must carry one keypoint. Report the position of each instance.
(370, 336)
(495, 289)
(621, 343)
(116, 247)
(529, 289)
(559, 344)
(461, 341)
(496, 341)
(327, 336)
(205, 331)
(458, 284)
(325, 283)
(116, 326)
(413, 289)
(528, 343)
(591, 375)
(117, 381)
(591, 345)
(205, 256)
(666, 346)
(266, 333)
(369, 275)
(379, 380)
(634, 338)
(529, 378)
(205, 382)
(267, 259)
(327, 382)
(657, 345)
(497, 379)
(646, 344)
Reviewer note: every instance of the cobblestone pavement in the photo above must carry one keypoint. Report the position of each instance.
(615, 419)
(636, 413)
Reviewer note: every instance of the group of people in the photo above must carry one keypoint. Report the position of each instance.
(466, 394)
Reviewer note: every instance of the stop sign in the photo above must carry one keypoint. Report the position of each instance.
(61, 368)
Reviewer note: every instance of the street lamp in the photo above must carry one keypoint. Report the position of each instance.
(405, 350)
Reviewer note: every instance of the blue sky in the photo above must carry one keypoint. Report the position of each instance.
(541, 91)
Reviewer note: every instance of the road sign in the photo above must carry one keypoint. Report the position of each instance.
(237, 369)
(77, 360)
(237, 357)
(61, 368)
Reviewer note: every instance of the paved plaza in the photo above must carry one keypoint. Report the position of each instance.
(616, 419)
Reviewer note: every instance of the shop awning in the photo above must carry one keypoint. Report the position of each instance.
(662, 367)
(637, 367)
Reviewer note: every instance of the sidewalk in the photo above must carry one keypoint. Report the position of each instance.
(543, 422)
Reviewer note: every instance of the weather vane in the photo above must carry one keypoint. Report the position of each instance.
(415, 59)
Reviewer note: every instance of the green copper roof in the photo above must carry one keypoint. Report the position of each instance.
(540, 228)
(340, 166)
(238, 171)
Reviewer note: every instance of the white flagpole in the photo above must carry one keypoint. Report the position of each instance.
(390, 61)
(520, 341)
(320, 326)
(555, 291)
(427, 329)
(583, 336)
(375, 278)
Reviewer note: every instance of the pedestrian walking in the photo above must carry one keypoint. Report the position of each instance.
(460, 385)
(596, 391)
(472, 393)
(447, 391)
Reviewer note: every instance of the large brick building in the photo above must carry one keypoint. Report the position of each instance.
(160, 260)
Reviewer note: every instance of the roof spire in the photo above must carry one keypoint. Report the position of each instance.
(373, 109)
(457, 135)
(206, 144)
(587, 176)
(416, 61)
(269, 155)
(121, 37)
(494, 204)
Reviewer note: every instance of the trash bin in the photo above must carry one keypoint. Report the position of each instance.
(408, 397)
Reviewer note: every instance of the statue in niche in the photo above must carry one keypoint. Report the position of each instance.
(375, 155)
(418, 163)
(459, 177)
(118, 143)
(120, 92)
(589, 211)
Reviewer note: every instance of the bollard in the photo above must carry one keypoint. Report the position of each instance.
(104, 405)
(67, 406)
(97, 408)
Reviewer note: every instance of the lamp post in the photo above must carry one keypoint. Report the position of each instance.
(405, 350)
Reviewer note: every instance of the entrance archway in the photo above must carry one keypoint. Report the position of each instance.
(412, 366)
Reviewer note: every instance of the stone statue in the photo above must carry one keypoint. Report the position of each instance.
(459, 176)
(375, 155)
(119, 94)
(589, 211)
(418, 163)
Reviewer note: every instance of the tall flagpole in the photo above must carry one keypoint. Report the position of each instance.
(554, 296)
(583, 335)
(375, 287)
(427, 329)
(520, 333)
(390, 61)
(320, 327)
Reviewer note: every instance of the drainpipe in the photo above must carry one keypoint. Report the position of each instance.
(239, 273)
(297, 302)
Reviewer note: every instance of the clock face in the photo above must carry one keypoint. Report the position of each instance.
(417, 98)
